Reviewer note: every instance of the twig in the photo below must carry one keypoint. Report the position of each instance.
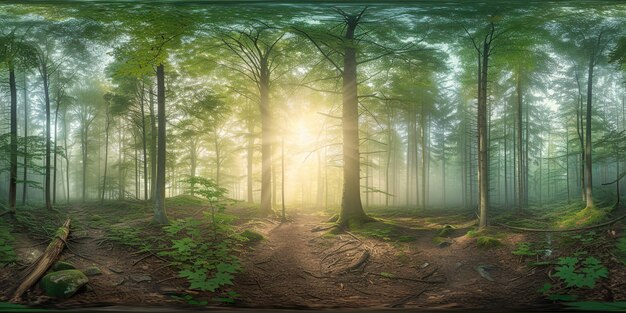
(353, 236)
(142, 258)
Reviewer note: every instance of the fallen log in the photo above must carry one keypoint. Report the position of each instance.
(44, 261)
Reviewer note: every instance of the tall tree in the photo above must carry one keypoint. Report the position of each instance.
(14, 54)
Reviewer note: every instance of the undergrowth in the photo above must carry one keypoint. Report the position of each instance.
(7, 253)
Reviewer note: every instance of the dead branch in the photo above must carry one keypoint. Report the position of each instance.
(44, 262)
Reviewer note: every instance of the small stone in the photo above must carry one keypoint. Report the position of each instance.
(116, 270)
(92, 271)
(63, 284)
(458, 265)
(62, 265)
(140, 277)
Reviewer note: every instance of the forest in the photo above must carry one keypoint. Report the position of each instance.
(312, 155)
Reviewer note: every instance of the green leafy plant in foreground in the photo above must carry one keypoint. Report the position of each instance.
(7, 254)
(574, 273)
(203, 250)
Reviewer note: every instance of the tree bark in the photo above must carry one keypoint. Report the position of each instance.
(266, 138)
(107, 126)
(44, 261)
(13, 143)
(520, 163)
(351, 207)
(250, 161)
(44, 76)
(160, 216)
(588, 163)
(483, 145)
(26, 119)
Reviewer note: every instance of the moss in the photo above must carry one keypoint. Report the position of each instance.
(581, 218)
(441, 241)
(252, 236)
(96, 218)
(488, 242)
(403, 257)
(446, 231)
(63, 284)
(92, 271)
(62, 265)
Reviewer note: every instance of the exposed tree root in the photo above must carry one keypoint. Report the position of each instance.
(360, 261)
(537, 230)
(323, 228)
(407, 279)
(406, 299)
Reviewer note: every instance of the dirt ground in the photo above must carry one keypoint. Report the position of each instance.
(298, 267)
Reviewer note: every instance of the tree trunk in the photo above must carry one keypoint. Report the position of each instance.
(44, 76)
(54, 176)
(483, 145)
(520, 164)
(13, 144)
(153, 147)
(249, 159)
(160, 216)
(144, 140)
(588, 163)
(26, 120)
(351, 207)
(106, 151)
(266, 138)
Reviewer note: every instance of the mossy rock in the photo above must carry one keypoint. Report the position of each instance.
(252, 236)
(62, 265)
(488, 242)
(446, 231)
(63, 284)
(92, 271)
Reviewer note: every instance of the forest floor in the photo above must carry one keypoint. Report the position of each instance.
(399, 261)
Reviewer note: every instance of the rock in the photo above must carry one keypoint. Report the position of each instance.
(458, 265)
(483, 270)
(92, 271)
(63, 284)
(140, 277)
(118, 281)
(62, 265)
(425, 265)
(115, 270)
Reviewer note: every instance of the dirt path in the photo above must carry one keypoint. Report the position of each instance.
(295, 267)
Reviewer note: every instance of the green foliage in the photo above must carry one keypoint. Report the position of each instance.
(125, 235)
(10, 307)
(447, 230)
(487, 242)
(384, 230)
(203, 249)
(524, 249)
(251, 236)
(580, 275)
(580, 218)
(7, 254)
